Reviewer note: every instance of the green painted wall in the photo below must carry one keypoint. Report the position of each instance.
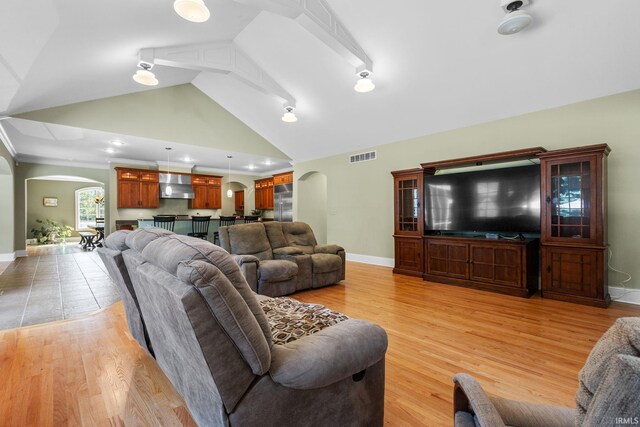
(360, 196)
(64, 191)
(6, 203)
(24, 171)
(179, 113)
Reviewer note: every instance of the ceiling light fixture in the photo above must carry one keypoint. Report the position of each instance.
(364, 84)
(117, 142)
(515, 20)
(289, 116)
(144, 76)
(229, 192)
(192, 10)
(109, 150)
(168, 190)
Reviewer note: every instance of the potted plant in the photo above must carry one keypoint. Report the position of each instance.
(50, 231)
(256, 212)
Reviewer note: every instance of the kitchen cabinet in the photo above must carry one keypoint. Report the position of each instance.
(264, 194)
(207, 192)
(283, 178)
(138, 188)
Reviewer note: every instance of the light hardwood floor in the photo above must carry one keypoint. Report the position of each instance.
(89, 371)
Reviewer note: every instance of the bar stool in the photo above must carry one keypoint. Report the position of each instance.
(225, 221)
(200, 227)
(251, 218)
(164, 221)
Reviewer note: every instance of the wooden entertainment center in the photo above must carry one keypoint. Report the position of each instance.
(569, 257)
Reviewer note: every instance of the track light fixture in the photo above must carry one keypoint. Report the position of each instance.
(144, 76)
(289, 116)
(364, 84)
(192, 10)
(515, 20)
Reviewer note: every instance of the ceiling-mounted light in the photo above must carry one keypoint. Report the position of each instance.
(144, 76)
(515, 20)
(229, 192)
(168, 190)
(289, 116)
(192, 10)
(364, 84)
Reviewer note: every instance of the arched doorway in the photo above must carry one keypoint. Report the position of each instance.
(6, 211)
(312, 203)
(54, 197)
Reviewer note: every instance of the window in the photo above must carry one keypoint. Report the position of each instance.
(89, 206)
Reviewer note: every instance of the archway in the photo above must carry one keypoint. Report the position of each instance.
(6, 211)
(312, 203)
(229, 206)
(54, 197)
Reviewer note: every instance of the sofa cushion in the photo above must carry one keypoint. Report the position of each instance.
(290, 319)
(140, 238)
(299, 234)
(250, 239)
(622, 338)
(325, 263)
(277, 270)
(116, 240)
(169, 251)
(230, 310)
(275, 234)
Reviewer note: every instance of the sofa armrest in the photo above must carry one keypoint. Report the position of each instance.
(249, 265)
(287, 250)
(328, 249)
(328, 356)
(468, 396)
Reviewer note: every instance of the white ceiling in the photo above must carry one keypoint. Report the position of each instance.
(437, 65)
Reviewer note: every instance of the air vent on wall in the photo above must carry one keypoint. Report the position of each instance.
(362, 157)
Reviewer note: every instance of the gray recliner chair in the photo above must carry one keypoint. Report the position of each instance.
(608, 393)
(212, 339)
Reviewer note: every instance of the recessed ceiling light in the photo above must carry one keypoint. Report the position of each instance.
(251, 167)
(110, 150)
(187, 159)
(117, 142)
(268, 162)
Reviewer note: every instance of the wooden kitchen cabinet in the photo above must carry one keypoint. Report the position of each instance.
(207, 191)
(264, 194)
(283, 178)
(138, 188)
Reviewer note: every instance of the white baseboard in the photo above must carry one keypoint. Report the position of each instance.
(20, 253)
(631, 296)
(7, 257)
(368, 259)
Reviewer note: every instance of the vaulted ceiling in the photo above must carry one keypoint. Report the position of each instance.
(437, 65)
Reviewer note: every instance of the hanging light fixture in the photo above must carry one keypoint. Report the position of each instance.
(289, 116)
(192, 10)
(364, 84)
(516, 19)
(168, 190)
(229, 192)
(144, 76)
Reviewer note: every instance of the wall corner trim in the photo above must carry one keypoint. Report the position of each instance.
(8, 257)
(369, 259)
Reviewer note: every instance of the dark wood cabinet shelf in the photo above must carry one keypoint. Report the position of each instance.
(506, 266)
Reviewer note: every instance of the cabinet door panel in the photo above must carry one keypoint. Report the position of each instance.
(447, 259)
(199, 200)
(408, 253)
(496, 264)
(128, 194)
(149, 195)
(571, 271)
(214, 197)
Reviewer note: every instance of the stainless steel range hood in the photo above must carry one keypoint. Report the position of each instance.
(175, 186)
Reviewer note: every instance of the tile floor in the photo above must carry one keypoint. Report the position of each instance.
(53, 284)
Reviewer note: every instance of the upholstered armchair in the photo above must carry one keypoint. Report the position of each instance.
(608, 391)
(265, 274)
(327, 261)
(213, 340)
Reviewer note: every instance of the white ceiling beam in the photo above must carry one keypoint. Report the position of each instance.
(218, 57)
(319, 19)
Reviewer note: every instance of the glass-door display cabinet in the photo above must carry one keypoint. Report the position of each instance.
(573, 224)
(408, 221)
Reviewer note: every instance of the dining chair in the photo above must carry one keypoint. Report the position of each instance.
(225, 221)
(251, 218)
(164, 221)
(200, 226)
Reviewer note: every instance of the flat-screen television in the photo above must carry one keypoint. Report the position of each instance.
(496, 200)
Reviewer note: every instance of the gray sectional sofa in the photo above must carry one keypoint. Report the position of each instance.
(279, 258)
(238, 358)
